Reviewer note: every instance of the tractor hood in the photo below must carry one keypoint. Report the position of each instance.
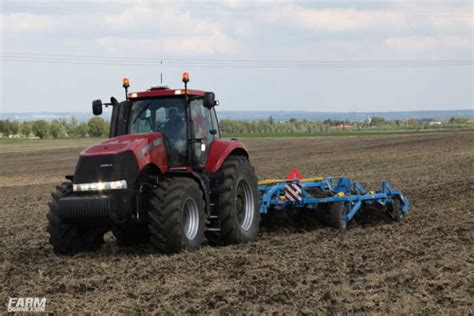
(137, 143)
(121, 158)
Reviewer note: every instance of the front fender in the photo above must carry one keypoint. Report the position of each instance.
(220, 150)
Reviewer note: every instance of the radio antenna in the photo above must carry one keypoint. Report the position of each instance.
(161, 72)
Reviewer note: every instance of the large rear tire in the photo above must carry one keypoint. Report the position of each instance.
(68, 239)
(177, 215)
(239, 216)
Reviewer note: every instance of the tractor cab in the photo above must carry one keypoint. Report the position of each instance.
(185, 118)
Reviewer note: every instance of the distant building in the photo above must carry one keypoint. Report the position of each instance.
(344, 126)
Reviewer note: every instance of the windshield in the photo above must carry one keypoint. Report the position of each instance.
(165, 115)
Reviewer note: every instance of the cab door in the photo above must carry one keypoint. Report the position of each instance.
(205, 131)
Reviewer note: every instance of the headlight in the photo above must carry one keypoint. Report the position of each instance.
(100, 186)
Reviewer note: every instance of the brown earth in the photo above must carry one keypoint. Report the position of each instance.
(425, 264)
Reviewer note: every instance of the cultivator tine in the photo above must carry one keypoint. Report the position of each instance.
(297, 192)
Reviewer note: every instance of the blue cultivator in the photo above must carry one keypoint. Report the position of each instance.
(340, 199)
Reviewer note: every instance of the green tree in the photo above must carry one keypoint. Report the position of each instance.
(71, 127)
(41, 128)
(98, 127)
(13, 127)
(3, 127)
(377, 121)
(26, 128)
(57, 129)
(81, 130)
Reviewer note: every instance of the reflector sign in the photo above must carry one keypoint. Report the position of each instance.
(293, 192)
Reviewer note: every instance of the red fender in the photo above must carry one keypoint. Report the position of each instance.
(220, 150)
(148, 149)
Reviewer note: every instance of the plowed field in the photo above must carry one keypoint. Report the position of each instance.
(424, 264)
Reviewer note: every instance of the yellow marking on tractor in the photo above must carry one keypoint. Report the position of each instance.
(341, 194)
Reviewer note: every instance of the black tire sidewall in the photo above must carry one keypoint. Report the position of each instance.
(337, 211)
(166, 214)
(231, 230)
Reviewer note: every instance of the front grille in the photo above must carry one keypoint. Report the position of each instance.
(122, 166)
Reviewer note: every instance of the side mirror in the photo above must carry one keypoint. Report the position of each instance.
(209, 100)
(97, 107)
(113, 101)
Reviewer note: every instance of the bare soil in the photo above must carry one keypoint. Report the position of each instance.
(424, 265)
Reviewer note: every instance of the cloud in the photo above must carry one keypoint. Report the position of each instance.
(28, 22)
(171, 30)
(389, 18)
(407, 43)
(180, 45)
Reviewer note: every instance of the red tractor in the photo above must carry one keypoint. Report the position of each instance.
(163, 176)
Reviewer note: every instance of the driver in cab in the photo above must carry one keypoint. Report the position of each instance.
(175, 131)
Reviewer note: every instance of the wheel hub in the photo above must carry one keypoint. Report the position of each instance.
(191, 219)
(245, 206)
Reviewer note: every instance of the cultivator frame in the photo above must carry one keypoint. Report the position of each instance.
(313, 192)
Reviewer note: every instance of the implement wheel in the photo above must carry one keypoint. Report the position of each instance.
(395, 209)
(177, 215)
(68, 239)
(336, 215)
(239, 216)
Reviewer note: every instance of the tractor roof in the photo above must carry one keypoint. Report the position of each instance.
(163, 92)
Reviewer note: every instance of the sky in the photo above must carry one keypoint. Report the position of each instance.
(343, 56)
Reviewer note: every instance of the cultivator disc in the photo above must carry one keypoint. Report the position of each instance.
(340, 198)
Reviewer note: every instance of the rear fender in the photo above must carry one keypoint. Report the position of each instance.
(220, 150)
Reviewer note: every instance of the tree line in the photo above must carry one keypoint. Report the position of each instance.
(271, 126)
(59, 128)
(98, 127)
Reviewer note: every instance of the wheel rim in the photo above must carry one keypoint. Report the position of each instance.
(245, 205)
(191, 219)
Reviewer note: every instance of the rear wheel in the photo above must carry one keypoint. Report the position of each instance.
(337, 215)
(239, 216)
(66, 238)
(177, 215)
(395, 209)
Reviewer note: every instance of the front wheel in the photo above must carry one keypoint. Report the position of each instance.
(67, 238)
(177, 215)
(239, 216)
